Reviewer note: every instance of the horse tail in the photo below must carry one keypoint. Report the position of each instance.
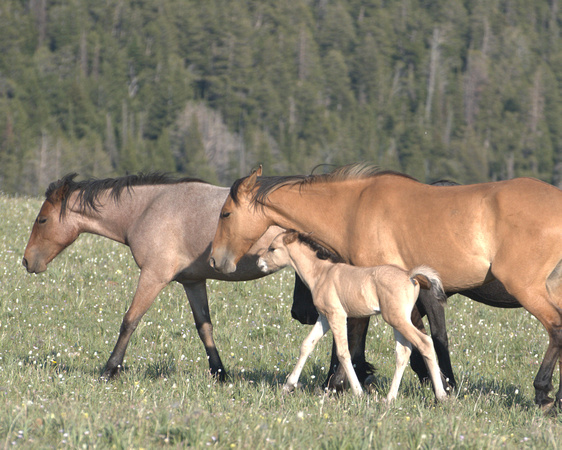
(429, 279)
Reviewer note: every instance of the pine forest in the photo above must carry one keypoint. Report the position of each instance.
(468, 90)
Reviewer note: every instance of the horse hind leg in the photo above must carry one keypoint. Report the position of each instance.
(542, 297)
(545, 303)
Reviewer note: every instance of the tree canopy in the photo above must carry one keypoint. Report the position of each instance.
(463, 89)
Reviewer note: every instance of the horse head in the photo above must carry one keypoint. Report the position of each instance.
(238, 227)
(52, 232)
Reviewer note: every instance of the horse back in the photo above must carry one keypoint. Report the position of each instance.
(457, 230)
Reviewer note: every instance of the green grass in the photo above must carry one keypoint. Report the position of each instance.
(58, 328)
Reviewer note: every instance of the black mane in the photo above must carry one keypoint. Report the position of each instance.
(267, 185)
(321, 251)
(90, 190)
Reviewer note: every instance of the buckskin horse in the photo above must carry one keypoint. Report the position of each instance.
(167, 223)
(340, 291)
(507, 231)
(491, 294)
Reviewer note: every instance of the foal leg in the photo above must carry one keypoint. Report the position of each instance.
(339, 329)
(197, 295)
(425, 345)
(147, 289)
(357, 336)
(403, 351)
(416, 359)
(318, 330)
(436, 317)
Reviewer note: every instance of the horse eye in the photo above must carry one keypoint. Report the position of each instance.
(224, 215)
(41, 220)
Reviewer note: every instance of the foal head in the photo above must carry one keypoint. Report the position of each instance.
(277, 254)
(51, 233)
(280, 251)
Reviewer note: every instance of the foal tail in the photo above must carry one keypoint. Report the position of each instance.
(429, 279)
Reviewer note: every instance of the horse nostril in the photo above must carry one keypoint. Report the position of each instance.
(25, 263)
(212, 262)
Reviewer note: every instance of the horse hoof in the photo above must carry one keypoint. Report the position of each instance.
(547, 405)
(219, 375)
(109, 374)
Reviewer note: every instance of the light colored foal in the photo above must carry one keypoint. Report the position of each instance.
(340, 291)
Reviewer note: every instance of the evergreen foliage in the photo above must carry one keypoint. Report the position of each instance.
(468, 90)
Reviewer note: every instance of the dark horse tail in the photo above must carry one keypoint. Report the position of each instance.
(429, 279)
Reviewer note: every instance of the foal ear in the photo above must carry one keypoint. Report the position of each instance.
(290, 237)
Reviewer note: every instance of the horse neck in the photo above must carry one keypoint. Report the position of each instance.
(111, 219)
(307, 265)
(314, 210)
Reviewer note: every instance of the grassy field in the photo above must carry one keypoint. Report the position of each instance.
(58, 328)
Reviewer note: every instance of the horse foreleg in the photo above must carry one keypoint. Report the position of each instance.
(319, 329)
(197, 296)
(303, 308)
(436, 318)
(147, 290)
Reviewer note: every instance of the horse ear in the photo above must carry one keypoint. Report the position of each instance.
(249, 183)
(59, 194)
(259, 170)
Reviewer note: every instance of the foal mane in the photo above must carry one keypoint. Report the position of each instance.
(321, 251)
(267, 185)
(90, 190)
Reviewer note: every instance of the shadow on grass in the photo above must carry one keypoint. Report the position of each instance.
(506, 394)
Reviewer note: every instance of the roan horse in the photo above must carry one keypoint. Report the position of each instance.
(341, 291)
(507, 231)
(168, 225)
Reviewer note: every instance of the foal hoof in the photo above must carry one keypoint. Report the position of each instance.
(290, 388)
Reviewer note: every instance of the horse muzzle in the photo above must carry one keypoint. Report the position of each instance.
(34, 266)
(222, 264)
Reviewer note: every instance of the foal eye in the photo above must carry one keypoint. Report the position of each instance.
(41, 220)
(224, 215)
